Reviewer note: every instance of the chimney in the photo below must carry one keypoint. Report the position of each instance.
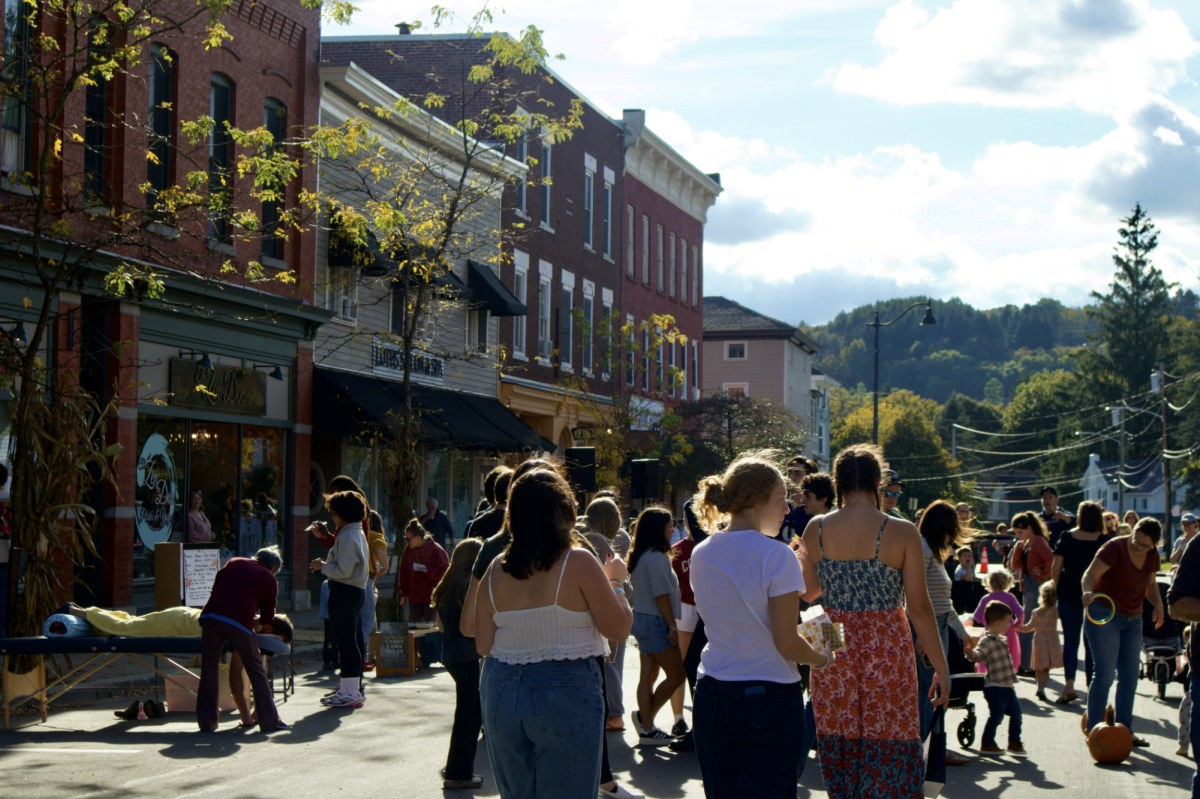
(404, 28)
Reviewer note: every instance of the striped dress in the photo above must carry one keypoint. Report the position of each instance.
(868, 728)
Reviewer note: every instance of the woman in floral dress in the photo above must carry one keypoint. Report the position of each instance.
(865, 568)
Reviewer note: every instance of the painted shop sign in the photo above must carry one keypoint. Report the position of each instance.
(222, 388)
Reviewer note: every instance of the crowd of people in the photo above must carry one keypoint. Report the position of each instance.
(538, 599)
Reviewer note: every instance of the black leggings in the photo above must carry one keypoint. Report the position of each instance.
(605, 770)
(345, 601)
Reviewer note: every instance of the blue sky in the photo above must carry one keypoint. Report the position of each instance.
(983, 149)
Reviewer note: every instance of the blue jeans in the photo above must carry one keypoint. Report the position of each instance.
(1195, 728)
(1116, 650)
(1002, 702)
(746, 734)
(1072, 623)
(545, 727)
(925, 676)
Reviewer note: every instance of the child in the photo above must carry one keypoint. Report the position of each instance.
(1185, 707)
(998, 582)
(992, 652)
(1047, 648)
(966, 565)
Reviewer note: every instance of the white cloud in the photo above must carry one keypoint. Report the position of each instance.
(1168, 136)
(1096, 55)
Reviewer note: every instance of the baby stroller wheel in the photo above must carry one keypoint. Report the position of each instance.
(966, 732)
(1162, 690)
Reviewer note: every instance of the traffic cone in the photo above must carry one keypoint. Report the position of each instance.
(983, 562)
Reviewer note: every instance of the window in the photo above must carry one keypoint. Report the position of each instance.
(588, 190)
(586, 358)
(477, 330)
(735, 350)
(344, 287)
(658, 364)
(15, 134)
(568, 324)
(607, 243)
(683, 371)
(736, 389)
(671, 272)
(695, 370)
(274, 120)
(610, 320)
(546, 179)
(399, 311)
(220, 146)
(695, 275)
(1144, 501)
(544, 318)
(162, 105)
(95, 117)
(671, 371)
(520, 279)
(629, 240)
(521, 154)
(659, 230)
(683, 284)
(629, 362)
(645, 359)
(645, 249)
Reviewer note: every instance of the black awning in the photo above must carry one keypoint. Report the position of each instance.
(346, 405)
(490, 294)
(373, 262)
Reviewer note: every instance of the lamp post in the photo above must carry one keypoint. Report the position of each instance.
(927, 321)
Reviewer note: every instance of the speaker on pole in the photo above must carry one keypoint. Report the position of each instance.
(581, 468)
(644, 479)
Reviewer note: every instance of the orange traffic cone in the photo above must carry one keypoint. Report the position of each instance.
(983, 562)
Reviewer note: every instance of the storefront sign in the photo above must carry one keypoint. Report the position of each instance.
(222, 388)
(201, 562)
(388, 359)
(155, 513)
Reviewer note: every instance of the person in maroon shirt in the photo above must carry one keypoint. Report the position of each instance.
(421, 568)
(1124, 570)
(243, 588)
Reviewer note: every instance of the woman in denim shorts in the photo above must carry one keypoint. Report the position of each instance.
(655, 610)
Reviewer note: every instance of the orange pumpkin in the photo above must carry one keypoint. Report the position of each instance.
(1083, 723)
(1109, 742)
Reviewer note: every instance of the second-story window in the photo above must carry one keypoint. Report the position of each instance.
(521, 154)
(589, 179)
(735, 350)
(659, 362)
(220, 156)
(695, 370)
(671, 372)
(610, 319)
(95, 116)
(695, 275)
(586, 343)
(629, 247)
(683, 284)
(568, 325)
(520, 278)
(274, 120)
(15, 133)
(546, 179)
(544, 318)
(671, 269)
(645, 249)
(607, 243)
(629, 356)
(645, 359)
(659, 230)
(162, 108)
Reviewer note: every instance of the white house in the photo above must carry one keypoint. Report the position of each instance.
(1143, 481)
(822, 387)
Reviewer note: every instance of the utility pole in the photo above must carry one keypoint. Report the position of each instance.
(1166, 462)
(1119, 418)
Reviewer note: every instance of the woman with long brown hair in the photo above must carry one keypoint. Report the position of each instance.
(1074, 553)
(462, 661)
(867, 572)
(1031, 560)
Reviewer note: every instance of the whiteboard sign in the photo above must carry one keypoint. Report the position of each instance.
(201, 562)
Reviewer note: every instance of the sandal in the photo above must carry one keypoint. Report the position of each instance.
(1138, 741)
(1066, 699)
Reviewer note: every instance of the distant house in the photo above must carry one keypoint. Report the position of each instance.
(1009, 492)
(1144, 487)
(822, 387)
(746, 352)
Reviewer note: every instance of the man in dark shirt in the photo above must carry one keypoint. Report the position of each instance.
(437, 524)
(797, 517)
(891, 488)
(243, 587)
(1057, 520)
(489, 523)
(1183, 603)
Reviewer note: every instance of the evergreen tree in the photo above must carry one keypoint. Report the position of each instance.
(1133, 315)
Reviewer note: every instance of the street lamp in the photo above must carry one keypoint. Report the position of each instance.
(927, 321)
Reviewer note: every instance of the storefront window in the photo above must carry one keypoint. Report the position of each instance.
(262, 469)
(436, 484)
(213, 472)
(159, 502)
(461, 508)
(360, 464)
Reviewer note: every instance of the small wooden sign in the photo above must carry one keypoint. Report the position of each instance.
(394, 653)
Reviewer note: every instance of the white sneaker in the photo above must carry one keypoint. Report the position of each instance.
(619, 792)
(343, 700)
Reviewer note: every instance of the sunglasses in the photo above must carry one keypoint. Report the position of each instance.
(892, 494)
(1139, 546)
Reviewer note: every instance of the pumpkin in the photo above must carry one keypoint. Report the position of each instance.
(1083, 723)
(1109, 742)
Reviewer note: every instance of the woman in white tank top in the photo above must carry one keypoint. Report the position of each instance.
(546, 618)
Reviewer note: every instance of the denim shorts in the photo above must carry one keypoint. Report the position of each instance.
(651, 631)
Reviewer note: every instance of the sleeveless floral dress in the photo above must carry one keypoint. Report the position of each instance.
(865, 702)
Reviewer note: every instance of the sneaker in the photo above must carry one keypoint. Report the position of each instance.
(990, 749)
(684, 743)
(637, 720)
(1017, 750)
(655, 737)
(128, 714)
(344, 700)
(680, 728)
(282, 726)
(475, 783)
(619, 792)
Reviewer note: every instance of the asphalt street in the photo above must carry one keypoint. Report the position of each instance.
(395, 745)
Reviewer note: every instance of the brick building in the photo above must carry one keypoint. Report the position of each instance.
(245, 449)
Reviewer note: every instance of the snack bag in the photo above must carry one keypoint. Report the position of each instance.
(818, 629)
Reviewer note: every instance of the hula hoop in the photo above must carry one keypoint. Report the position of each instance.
(1112, 609)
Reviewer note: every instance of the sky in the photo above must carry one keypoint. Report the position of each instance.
(980, 149)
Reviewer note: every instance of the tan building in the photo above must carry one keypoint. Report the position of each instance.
(746, 352)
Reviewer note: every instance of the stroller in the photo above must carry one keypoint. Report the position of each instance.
(1162, 647)
(963, 680)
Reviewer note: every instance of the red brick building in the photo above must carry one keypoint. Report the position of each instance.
(247, 454)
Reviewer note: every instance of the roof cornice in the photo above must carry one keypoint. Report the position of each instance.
(659, 166)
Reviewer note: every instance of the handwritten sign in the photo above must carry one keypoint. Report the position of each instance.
(394, 655)
(222, 388)
(201, 562)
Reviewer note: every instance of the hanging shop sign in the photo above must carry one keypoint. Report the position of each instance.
(154, 513)
(222, 388)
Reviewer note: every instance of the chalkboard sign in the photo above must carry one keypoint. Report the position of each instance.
(394, 655)
(201, 562)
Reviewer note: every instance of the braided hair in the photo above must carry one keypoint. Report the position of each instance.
(857, 468)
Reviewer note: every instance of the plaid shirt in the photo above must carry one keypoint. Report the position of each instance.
(992, 651)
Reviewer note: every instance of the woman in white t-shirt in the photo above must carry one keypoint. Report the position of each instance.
(748, 711)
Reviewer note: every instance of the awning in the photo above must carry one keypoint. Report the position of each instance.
(490, 294)
(346, 404)
(375, 263)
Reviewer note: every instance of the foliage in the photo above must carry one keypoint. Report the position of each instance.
(734, 424)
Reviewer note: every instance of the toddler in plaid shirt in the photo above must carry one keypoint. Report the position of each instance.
(992, 651)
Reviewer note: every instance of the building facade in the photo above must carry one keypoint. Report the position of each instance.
(822, 389)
